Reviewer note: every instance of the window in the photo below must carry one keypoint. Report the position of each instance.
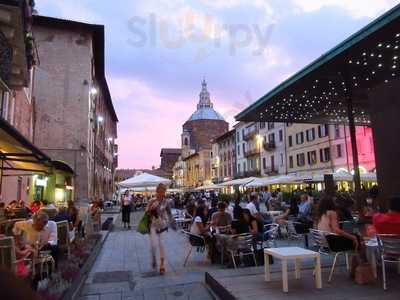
(339, 151)
(244, 148)
(300, 138)
(244, 167)
(271, 125)
(337, 131)
(271, 138)
(238, 168)
(322, 131)
(186, 142)
(301, 160)
(238, 151)
(291, 162)
(289, 124)
(310, 133)
(290, 141)
(272, 163)
(281, 135)
(264, 163)
(312, 157)
(262, 125)
(242, 134)
(238, 137)
(281, 159)
(325, 155)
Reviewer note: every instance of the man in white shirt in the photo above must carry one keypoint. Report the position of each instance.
(251, 206)
(39, 231)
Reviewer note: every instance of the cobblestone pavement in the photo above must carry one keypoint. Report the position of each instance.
(122, 269)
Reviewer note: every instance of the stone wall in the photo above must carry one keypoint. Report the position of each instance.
(202, 132)
(62, 83)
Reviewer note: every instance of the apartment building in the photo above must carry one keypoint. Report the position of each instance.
(273, 152)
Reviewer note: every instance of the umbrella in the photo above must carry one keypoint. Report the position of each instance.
(144, 180)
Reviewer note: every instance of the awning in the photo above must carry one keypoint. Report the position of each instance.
(241, 181)
(319, 93)
(208, 187)
(18, 154)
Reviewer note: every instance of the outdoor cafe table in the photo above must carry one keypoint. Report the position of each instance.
(274, 213)
(296, 254)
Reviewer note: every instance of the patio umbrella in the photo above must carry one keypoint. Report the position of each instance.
(144, 180)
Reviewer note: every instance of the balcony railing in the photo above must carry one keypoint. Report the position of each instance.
(250, 134)
(269, 146)
(252, 173)
(271, 171)
(252, 152)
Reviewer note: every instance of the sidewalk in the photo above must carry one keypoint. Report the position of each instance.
(122, 269)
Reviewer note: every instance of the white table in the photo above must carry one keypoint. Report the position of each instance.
(296, 254)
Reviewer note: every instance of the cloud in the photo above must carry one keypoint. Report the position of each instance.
(356, 8)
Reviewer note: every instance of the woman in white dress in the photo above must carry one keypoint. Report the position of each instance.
(160, 218)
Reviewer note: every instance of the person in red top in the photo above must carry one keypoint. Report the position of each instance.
(389, 223)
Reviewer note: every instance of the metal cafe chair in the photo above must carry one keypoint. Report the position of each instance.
(8, 259)
(323, 248)
(242, 245)
(195, 241)
(389, 250)
(223, 229)
(270, 234)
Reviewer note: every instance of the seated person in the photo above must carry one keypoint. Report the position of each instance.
(198, 226)
(63, 215)
(239, 223)
(35, 207)
(251, 206)
(304, 207)
(255, 227)
(389, 223)
(213, 209)
(292, 211)
(49, 208)
(327, 221)
(39, 232)
(221, 217)
(274, 203)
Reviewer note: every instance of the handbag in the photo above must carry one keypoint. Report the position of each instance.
(144, 224)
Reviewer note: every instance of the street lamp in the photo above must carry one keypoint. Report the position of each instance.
(93, 91)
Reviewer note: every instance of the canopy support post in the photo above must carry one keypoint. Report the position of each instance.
(354, 150)
(1, 177)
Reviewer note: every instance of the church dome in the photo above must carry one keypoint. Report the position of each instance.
(205, 110)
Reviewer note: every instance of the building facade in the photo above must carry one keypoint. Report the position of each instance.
(273, 153)
(169, 156)
(197, 169)
(225, 160)
(16, 103)
(249, 144)
(308, 149)
(75, 121)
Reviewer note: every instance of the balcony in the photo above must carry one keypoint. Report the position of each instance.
(269, 146)
(250, 134)
(252, 152)
(271, 171)
(252, 173)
